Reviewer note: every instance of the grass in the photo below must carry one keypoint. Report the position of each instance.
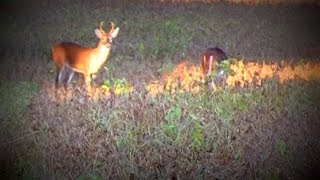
(15, 97)
(232, 133)
(113, 138)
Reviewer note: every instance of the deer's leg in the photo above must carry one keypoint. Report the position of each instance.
(204, 65)
(210, 65)
(80, 80)
(87, 78)
(69, 78)
(68, 74)
(58, 77)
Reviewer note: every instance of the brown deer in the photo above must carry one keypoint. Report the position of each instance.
(211, 57)
(84, 60)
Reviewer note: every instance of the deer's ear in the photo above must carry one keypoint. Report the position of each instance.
(115, 32)
(98, 33)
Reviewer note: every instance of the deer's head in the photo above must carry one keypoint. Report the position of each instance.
(106, 38)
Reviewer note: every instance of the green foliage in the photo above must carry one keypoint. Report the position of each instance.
(174, 114)
(119, 86)
(197, 136)
(224, 108)
(141, 48)
(282, 147)
(225, 66)
(171, 128)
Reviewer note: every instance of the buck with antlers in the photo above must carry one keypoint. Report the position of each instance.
(84, 60)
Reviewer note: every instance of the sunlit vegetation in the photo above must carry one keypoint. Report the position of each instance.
(187, 77)
(184, 77)
(117, 86)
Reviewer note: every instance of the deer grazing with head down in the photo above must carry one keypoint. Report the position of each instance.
(210, 58)
(83, 60)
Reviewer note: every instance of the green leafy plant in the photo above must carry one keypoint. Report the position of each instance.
(197, 136)
(174, 114)
(225, 66)
(171, 129)
(119, 86)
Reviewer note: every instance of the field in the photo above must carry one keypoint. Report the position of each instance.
(152, 115)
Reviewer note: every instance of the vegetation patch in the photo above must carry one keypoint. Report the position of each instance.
(16, 96)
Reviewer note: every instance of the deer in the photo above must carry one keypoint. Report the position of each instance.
(211, 57)
(209, 60)
(84, 60)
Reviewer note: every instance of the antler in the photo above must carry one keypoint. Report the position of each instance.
(101, 24)
(112, 27)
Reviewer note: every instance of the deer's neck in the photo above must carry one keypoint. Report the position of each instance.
(98, 57)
